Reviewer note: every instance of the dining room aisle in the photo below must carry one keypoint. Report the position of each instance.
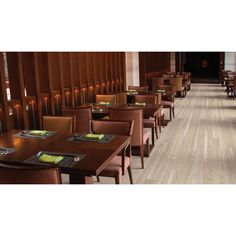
(197, 147)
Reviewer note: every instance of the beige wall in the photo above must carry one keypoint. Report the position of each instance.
(230, 61)
(132, 68)
(172, 61)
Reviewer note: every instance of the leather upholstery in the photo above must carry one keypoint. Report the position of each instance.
(121, 98)
(18, 173)
(148, 99)
(137, 137)
(83, 115)
(130, 114)
(139, 88)
(59, 123)
(112, 127)
(106, 98)
(177, 81)
(167, 88)
(167, 104)
(119, 163)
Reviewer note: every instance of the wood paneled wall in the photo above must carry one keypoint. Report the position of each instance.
(149, 62)
(42, 82)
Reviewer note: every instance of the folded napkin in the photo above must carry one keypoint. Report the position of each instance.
(50, 158)
(94, 136)
(104, 103)
(132, 90)
(140, 103)
(161, 90)
(38, 132)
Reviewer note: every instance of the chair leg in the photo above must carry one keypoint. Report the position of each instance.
(118, 179)
(159, 123)
(148, 148)
(153, 139)
(156, 131)
(173, 111)
(142, 155)
(163, 120)
(130, 174)
(170, 115)
(98, 179)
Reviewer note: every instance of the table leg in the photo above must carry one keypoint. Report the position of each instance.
(79, 179)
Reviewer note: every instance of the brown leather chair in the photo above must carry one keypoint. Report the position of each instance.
(120, 163)
(149, 122)
(179, 88)
(121, 98)
(82, 115)
(138, 88)
(139, 137)
(168, 101)
(59, 123)
(111, 98)
(19, 173)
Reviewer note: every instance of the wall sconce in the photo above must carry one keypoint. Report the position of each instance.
(45, 99)
(76, 91)
(32, 104)
(57, 96)
(67, 98)
(17, 108)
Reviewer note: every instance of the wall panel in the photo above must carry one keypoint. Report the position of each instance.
(153, 62)
(42, 82)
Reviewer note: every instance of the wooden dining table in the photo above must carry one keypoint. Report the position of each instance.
(149, 110)
(96, 154)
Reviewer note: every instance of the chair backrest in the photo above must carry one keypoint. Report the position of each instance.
(148, 99)
(178, 83)
(234, 83)
(83, 115)
(121, 98)
(136, 115)
(167, 88)
(156, 82)
(112, 127)
(18, 173)
(138, 88)
(111, 98)
(59, 123)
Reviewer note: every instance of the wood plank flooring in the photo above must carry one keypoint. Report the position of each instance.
(197, 147)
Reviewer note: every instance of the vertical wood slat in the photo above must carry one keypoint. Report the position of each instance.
(5, 118)
(38, 93)
(16, 84)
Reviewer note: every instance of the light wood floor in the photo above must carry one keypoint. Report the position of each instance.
(197, 147)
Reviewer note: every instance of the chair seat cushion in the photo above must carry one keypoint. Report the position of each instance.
(162, 112)
(168, 104)
(146, 135)
(149, 123)
(117, 161)
(111, 171)
(114, 167)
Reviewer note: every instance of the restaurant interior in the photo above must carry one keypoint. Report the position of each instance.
(117, 118)
(104, 117)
